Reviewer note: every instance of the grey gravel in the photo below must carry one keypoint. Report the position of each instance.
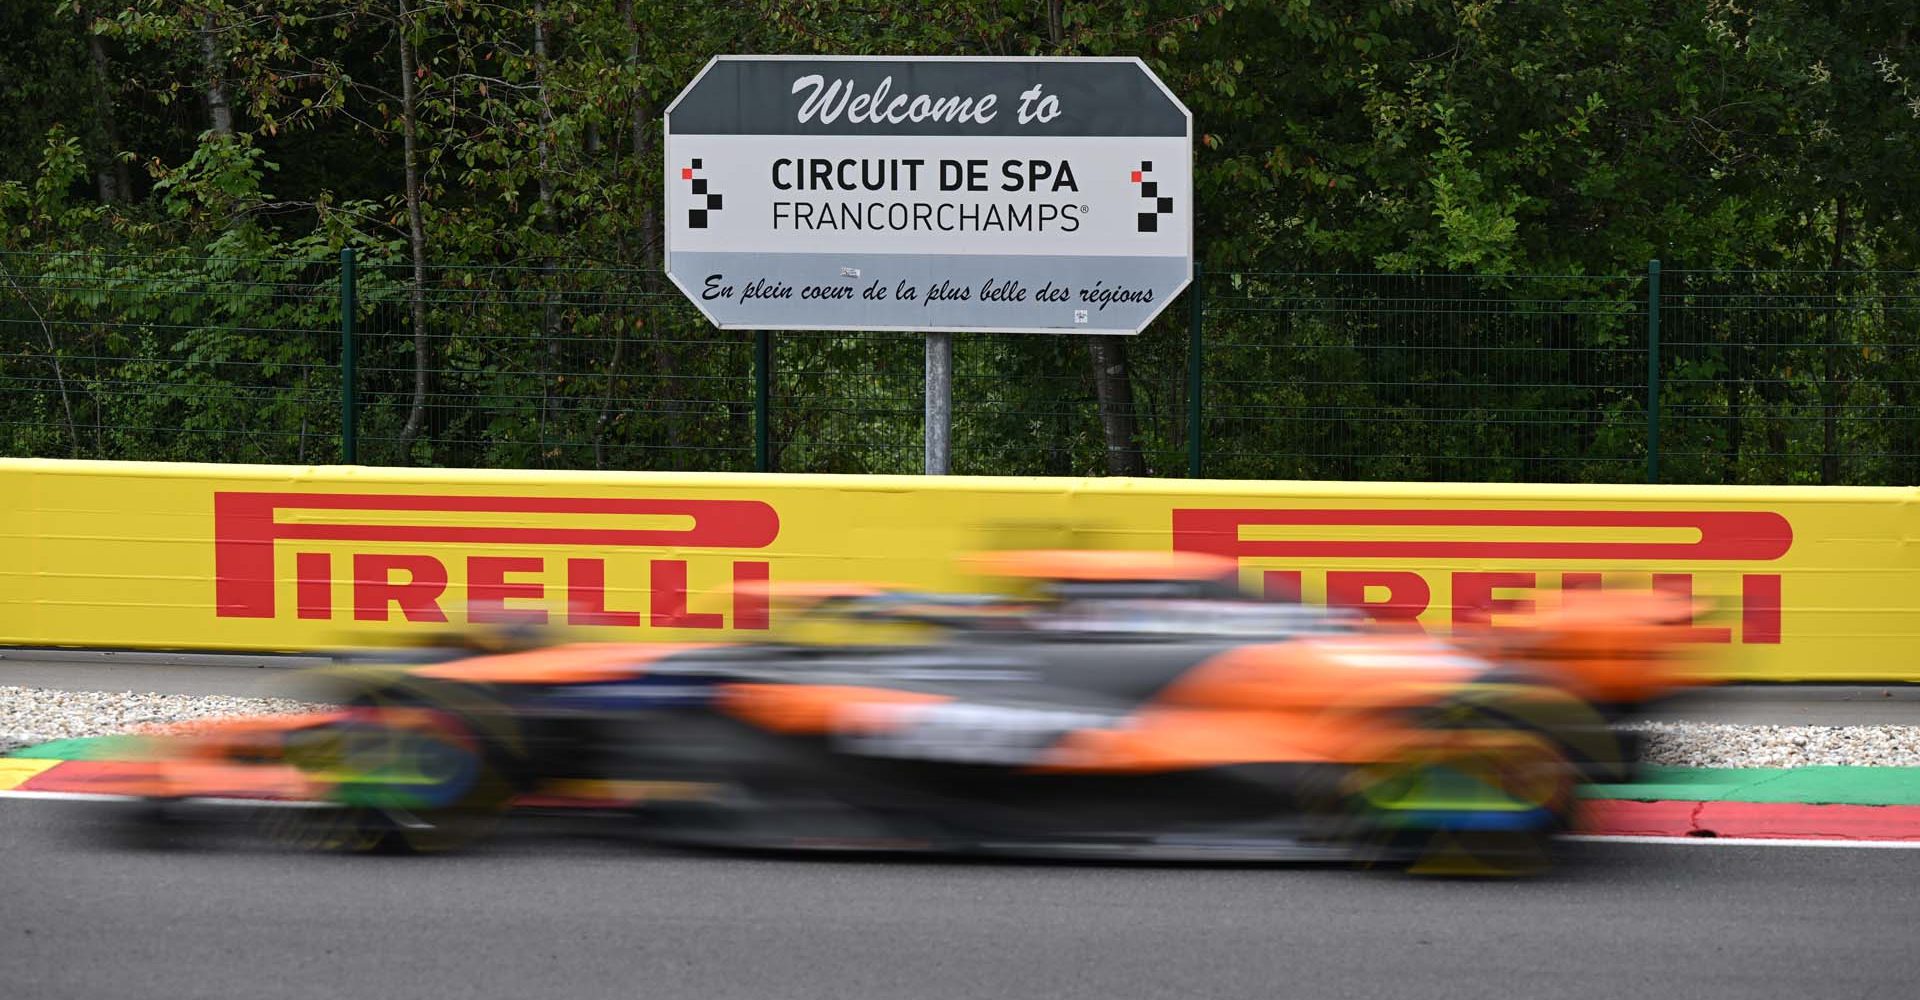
(31, 715)
(39, 715)
(1707, 744)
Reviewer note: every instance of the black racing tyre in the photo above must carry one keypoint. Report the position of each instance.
(413, 766)
(1588, 747)
(1492, 777)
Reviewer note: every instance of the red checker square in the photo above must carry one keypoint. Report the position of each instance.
(686, 173)
(1136, 177)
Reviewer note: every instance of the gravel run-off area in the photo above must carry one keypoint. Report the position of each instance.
(39, 715)
(1703, 744)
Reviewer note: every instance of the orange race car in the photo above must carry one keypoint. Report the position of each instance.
(1127, 705)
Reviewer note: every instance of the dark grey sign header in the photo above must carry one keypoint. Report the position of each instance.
(767, 95)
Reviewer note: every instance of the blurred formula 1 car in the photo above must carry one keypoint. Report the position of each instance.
(1122, 705)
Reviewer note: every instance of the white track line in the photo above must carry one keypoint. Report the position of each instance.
(14, 793)
(1593, 838)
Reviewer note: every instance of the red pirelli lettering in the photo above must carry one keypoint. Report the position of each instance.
(489, 590)
(750, 594)
(1407, 594)
(1741, 535)
(670, 599)
(1474, 602)
(313, 573)
(1479, 596)
(1281, 585)
(587, 596)
(418, 596)
(247, 525)
(1760, 608)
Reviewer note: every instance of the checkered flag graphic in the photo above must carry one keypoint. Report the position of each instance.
(697, 217)
(1158, 204)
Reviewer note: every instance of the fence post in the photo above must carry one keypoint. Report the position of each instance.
(1196, 309)
(349, 361)
(762, 399)
(1653, 371)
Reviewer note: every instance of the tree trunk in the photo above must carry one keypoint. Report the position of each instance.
(650, 243)
(1898, 366)
(1114, 390)
(604, 422)
(116, 185)
(53, 357)
(1736, 374)
(546, 113)
(550, 405)
(665, 359)
(219, 114)
(1112, 383)
(416, 239)
(1832, 394)
(1775, 403)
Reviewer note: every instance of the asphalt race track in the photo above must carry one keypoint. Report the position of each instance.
(549, 912)
(569, 916)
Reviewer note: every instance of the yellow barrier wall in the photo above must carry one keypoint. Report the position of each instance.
(1812, 582)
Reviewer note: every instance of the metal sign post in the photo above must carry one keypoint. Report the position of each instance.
(931, 195)
(939, 418)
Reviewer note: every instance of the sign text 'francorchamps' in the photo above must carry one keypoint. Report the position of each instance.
(926, 194)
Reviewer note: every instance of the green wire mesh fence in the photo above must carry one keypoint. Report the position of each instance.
(1758, 376)
(1022, 404)
(1791, 377)
(1425, 377)
(169, 358)
(546, 368)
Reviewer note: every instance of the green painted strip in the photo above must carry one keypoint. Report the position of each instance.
(83, 748)
(1860, 786)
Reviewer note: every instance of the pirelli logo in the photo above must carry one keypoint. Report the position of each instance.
(1588, 543)
(252, 528)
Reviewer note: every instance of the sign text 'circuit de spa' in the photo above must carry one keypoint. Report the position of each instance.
(918, 194)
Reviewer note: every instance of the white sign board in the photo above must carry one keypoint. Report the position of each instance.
(929, 194)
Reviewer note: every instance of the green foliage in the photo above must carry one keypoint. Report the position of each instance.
(189, 309)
